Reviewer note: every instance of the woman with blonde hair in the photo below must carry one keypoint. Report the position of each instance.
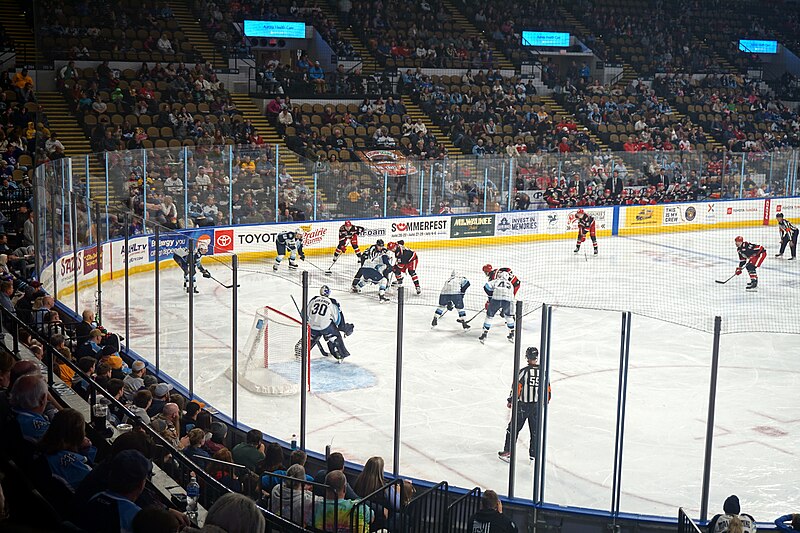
(232, 513)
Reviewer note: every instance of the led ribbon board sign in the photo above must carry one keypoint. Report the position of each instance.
(754, 46)
(545, 38)
(275, 29)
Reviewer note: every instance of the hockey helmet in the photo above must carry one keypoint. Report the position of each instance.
(379, 242)
(532, 353)
(202, 246)
(324, 291)
(401, 242)
(453, 274)
(348, 223)
(392, 246)
(503, 276)
(739, 240)
(299, 233)
(579, 213)
(487, 268)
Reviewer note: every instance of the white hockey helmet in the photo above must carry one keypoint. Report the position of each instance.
(299, 233)
(503, 276)
(324, 291)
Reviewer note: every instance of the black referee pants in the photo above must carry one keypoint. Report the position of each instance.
(526, 412)
(791, 241)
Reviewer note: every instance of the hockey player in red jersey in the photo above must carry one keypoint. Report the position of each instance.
(405, 261)
(492, 273)
(788, 236)
(750, 257)
(585, 225)
(348, 232)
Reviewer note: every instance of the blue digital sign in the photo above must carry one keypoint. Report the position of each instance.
(545, 38)
(755, 46)
(275, 29)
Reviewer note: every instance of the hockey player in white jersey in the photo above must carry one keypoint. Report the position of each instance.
(326, 320)
(452, 297)
(183, 257)
(501, 298)
(376, 265)
(293, 242)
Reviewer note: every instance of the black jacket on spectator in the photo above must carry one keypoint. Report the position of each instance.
(491, 520)
(82, 330)
(616, 186)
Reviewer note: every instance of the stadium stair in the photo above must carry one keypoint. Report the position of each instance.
(248, 109)
(76, 144)
(415, 112)
(559, 111)
(469, 30)
(369, 65)
(12, 18)
(718, 60)
(195, 34)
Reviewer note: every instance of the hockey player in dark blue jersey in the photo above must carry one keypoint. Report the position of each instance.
(293, 242)
(183, 257)
(326, 320)
(375, 268)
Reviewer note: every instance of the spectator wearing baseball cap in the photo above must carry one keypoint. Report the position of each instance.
(113, 510)
(134, 381)
(117, 366)
(160, 398)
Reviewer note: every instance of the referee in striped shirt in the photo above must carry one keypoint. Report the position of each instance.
(527, 409)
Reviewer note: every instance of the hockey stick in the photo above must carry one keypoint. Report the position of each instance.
(317, 344)
(726, 281)
(474, 316)
(327, 272)
(218, 281)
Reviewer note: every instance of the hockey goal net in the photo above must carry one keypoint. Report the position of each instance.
(273, 353)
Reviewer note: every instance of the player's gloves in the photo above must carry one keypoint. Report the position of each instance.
(738, 270)
(450, 306)
(486, 305)
(206, 274)
(347, 329)
(302, 257)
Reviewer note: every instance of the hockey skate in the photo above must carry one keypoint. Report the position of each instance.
(382, 298)
(779, 255)
(595, 251)
(504, 456)
(482, 338)
(463, 323)
(292, 265)
(275, 267)
(419, 290)
(435, 321)
(576, 250)
(792, 258)
(752, 285)
(355, 289)
(510, 337)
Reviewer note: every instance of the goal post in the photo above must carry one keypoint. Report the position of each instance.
(273, 354)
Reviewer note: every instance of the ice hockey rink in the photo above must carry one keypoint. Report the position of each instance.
(454, 388)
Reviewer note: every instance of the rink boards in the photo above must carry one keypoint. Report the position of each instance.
(256, 242)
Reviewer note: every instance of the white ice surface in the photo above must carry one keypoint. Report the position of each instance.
(454, 389)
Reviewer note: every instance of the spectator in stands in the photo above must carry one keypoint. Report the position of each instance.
(217, 441)
(284, 120)
(189, 418)
(490, 516)
(141, 403)
(66, 449)
(290, 500)
(28, 402)
(732, 519)
(370, 480)
(333, 513)
(160, 398)
(167, 424)
(335, 462)
(113, 510)
(197, 438)
(223, 473)
(250, 452)
(232, 513)
(155, 521)
(135, 380)
(83, 329)
(20, 80)
(164, 44)
(317, 77)
(793, 525)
